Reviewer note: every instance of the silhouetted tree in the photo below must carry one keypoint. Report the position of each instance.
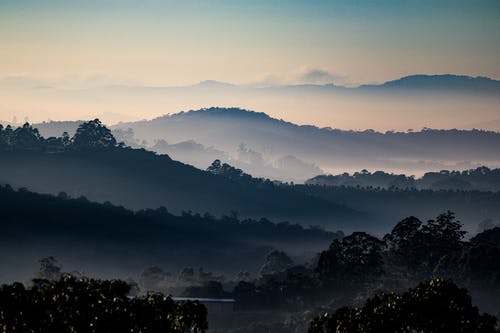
(436, 305)
(93, 134)
(352, 261)
(407, 251)
(442, 236)
(27, 138)
(415, 248)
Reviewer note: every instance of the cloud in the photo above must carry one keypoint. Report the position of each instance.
(304, 75)
(320, 76)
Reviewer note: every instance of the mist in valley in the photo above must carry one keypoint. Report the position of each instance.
(249, 167)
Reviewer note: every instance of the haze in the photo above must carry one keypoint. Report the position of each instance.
(67, 59)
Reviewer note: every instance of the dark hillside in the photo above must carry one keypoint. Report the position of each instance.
(112, 241)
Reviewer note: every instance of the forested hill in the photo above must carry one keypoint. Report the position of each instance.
(113, 241)
(92, 164)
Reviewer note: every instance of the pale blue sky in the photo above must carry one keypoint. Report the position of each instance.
(65, 55)
(164, 42)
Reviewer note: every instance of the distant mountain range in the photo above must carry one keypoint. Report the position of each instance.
(446, 82)
(416, 81)
(417, 101)
(438, 83)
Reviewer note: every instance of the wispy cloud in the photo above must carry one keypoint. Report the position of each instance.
(320, 76)
(304, 75)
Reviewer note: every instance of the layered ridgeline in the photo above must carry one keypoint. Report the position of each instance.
(382, 205)
(267, 147)
(101, 170)
(264, 146)
(109, 241)
(416, 101)
(92, 164)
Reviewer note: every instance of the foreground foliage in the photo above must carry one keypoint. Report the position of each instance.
(435, 305)
(73, 304)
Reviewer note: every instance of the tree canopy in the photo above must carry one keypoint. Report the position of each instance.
(93, 134)
(436, 305)
(72, 304)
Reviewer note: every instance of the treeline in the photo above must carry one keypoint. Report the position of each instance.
(91, 134)
(228, 171)
(480, 179)
(477, 209)
(203, 223)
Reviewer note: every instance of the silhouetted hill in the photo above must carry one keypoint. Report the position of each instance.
(440, 83)
(139, 179)
(107, 240)
(449, 83)
(416, 101)
(417, 83)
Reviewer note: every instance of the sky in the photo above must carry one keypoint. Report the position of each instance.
(167, 43)
(173, 43)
